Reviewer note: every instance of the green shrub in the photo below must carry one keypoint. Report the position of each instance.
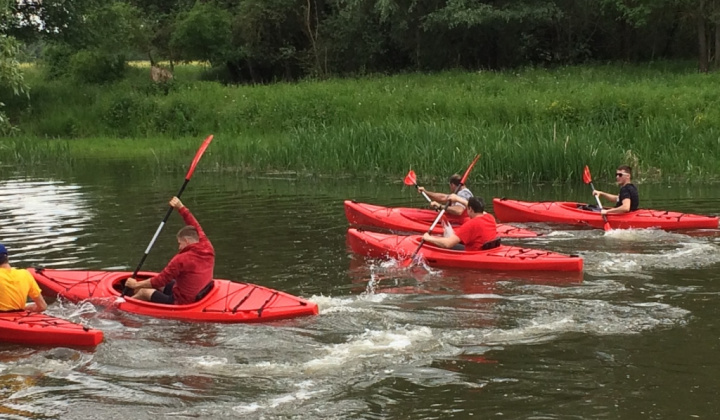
(56, 60)
(96, 67)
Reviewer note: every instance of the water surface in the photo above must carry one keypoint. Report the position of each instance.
(634, 336)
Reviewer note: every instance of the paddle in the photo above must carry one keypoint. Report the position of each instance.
(440, 215)
(411, 179)
(587, 178)
(189, 174)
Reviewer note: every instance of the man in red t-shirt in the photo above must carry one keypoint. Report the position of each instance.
(481, 229)
(188, 273)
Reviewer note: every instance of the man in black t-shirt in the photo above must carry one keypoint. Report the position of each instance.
(628, 199)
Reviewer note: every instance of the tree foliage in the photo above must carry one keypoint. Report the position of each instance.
(267, 40)
(11, 77)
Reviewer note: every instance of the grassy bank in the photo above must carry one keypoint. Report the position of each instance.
(531, 125)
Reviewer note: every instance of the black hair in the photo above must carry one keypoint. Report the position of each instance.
(3, 259)
(477, 204)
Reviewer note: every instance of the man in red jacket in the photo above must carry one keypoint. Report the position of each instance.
(188, 273)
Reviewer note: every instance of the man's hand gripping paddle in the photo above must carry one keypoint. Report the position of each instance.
(587, 178)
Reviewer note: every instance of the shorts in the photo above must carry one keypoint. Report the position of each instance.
(166, 296)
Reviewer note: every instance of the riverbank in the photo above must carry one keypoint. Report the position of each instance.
(532, 125)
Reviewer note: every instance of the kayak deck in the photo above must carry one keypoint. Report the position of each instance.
(34, 328)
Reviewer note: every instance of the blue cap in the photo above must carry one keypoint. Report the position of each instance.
(3, 250)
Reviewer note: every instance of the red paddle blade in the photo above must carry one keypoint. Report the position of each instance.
(410, 178)
(606, 226)
(407, 262)
(198, 155)
(467, 172)
(586, 175)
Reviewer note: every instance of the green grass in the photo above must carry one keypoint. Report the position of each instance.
(532, 125)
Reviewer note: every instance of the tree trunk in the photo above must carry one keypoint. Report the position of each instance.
(312, 35)
(702, 38)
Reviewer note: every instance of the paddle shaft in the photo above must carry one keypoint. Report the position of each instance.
(157, 232)
(423, 193)
(597, 198)
(604, 217)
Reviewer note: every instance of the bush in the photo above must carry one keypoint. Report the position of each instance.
(128, 115)
(176, 119)
(95, 67)
(56, 58)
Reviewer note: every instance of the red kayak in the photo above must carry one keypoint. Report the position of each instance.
(505, 258)
(227, 301)
(34, 328)
(569, 213)
(404, 219)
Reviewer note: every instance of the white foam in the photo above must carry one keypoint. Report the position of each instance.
(369, 344)
(303, 393)
(205, 361)
(686, 255)
(560, 234)
(588, 317)
(326, 302)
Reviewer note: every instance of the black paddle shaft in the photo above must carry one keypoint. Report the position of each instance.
(157, 232)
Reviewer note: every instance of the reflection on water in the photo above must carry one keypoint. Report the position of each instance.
(389, 342)
(43, 218)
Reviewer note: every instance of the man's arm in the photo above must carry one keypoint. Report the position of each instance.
(455, 210)
(38, 306)
(442, 241)
(435, 196)
(135, 284)
(624, 208)
(459, 205)
(610, 197)
(189, 219)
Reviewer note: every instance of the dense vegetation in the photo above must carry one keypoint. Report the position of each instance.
(529, 124)
(522, 81)
(268, 40)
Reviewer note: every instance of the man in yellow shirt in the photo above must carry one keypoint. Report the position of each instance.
(15, 287)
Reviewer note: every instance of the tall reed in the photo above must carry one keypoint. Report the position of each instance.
(532, 125)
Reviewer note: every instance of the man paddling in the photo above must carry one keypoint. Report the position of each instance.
(16, 285)
(456, 208)
(189, 273)
(627, 199)
(480, 232)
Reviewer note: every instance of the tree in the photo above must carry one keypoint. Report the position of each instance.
(11, 77)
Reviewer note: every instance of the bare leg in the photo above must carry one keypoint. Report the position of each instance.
(144, 294)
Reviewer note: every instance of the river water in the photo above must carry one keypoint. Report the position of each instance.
(635, 336)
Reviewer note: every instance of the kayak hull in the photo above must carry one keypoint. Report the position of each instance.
(32, 328)
(502, 258)
(569, 213)
(405, 219)
(226, 302)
